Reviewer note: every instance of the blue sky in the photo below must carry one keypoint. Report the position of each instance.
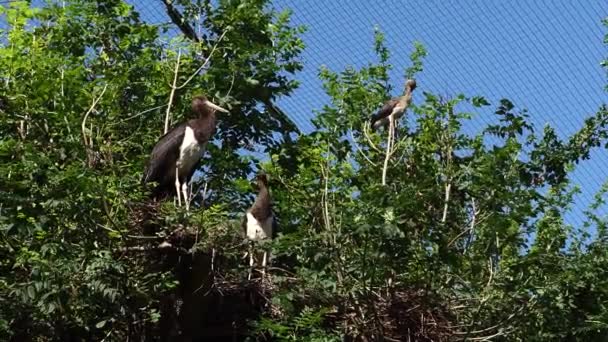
(543, 55)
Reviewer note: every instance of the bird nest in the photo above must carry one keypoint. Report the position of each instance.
(410, 315)
(403, 315)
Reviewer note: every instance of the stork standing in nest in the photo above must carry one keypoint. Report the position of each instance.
(176, 155)
(393, 110)
(259, 222)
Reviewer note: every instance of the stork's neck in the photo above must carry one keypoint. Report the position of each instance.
(262, 206)
(206, 113)
(406, 98)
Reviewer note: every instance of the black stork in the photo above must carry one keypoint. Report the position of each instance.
(177, 153)
(259, 222)
(394, 108)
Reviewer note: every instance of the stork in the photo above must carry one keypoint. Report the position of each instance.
(259, 222)
(393, 110)
(177, 153)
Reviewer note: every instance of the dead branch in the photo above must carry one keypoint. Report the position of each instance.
(174, 86)
(204, 65)
(359, 149)
(366, 127)
(172, 94)
(165, 246)
(446, 201)
(471, 228)
(86, 140)
(391, 133)
(137, 114)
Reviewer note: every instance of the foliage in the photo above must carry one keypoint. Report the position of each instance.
(468, 240)
(70, 167)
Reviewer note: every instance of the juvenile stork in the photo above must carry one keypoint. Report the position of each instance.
(177, 153)
(394, 108)
(259, 222)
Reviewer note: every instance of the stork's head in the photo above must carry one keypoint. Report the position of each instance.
(202, 106)
(410, 85)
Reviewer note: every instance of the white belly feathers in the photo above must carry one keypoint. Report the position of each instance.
(257, 230)
(190, 152)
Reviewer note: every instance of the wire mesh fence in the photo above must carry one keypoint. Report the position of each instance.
(544, 56)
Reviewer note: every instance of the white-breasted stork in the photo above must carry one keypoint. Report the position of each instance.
(176, 155)
(259, 222)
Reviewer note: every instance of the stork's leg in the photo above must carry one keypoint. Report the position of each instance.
(177, 187)
(391, 133)
(212, 259)
(186, 195)
(250, 261)
(264, 264)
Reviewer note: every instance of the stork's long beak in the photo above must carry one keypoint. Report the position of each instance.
(216, 107)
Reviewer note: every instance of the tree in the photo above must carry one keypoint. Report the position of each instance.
(84, 97)
(466, 241)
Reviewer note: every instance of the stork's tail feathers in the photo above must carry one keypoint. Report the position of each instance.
(161, 192)
(372, 122)
(376, 123)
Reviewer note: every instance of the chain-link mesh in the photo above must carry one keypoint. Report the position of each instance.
(543, 55)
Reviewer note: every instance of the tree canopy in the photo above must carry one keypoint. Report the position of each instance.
(466, 240)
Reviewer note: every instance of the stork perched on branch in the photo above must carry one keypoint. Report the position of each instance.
(259, 222)
(392, 111)
(176, 155)
(394, 108)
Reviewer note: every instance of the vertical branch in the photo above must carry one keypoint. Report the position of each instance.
(88, 140)
(448, 157)
(173, 88)
(391, 134)
(327, 220)
(446, 200)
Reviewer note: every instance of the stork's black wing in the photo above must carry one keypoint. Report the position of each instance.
(244, 224)
(385, 111)
(164, 155)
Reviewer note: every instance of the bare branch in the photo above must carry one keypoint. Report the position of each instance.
(204, 63)
(172, 94)
(358, 148)
(86, 115)
(389, 142)
(369, 139)
(472, 225)
(138, 114)
(446, 201)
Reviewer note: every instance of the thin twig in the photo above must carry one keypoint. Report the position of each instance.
(204, 64)
(366, 127)
(359, 149)
(86, 115)
(173, 88)
(471, 226)
(138, 114)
